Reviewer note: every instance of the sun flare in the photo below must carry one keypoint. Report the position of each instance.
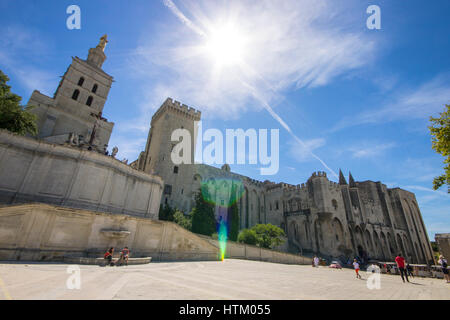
(226, 46)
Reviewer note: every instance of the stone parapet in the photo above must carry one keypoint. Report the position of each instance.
(36, 171)
(39, 232)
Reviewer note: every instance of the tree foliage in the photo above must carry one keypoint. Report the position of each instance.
(262, 235)
(183, 220)
(234, 226)
(166, 213)
(13, 116)
(248, 236)
(203, 220)
(440, 132)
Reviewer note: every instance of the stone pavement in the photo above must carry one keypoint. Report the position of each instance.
(231, 279)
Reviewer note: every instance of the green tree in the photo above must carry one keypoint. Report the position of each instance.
(440, 132)
(166, 213)
(13, 116)
(203, 220)
(234, 227)
(233, 213)
(183, 220)
(262, 235)
(248, 236)
(268, 235)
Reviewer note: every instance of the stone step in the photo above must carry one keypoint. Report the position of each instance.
(103, 262)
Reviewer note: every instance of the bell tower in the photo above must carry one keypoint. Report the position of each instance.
(76, 109)
(97, 55)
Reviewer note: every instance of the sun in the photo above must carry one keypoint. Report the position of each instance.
(226, 45)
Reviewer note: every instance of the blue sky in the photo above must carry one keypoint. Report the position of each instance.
(359, 99)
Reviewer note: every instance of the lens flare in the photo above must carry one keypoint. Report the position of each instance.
(223, 237)
(222, 192)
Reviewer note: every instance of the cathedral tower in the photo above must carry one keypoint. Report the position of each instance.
(76, 108)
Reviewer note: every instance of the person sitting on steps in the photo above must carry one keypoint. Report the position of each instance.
(109, 255)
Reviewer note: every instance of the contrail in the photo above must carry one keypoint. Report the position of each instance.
(285, 126)
(174, 9)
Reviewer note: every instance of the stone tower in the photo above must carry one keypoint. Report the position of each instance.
(156, 158)
(76, 108)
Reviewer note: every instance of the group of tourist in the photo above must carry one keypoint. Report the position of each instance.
(124, 254)
(404, 268)
(444, 266)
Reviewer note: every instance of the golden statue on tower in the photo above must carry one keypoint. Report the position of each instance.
(103, 42)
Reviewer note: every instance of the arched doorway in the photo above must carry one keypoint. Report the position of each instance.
(384, 247)
(377, 246)
(318, 235)
(339, 237)
(401, 246)
(370, 250)
(392, 247)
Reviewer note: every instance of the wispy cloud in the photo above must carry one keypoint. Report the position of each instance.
(417, 103)
(420, 188)
(420, 171)
(294, 49)
(370, 150)
(128, 148)
(19, 47)
(302, 152)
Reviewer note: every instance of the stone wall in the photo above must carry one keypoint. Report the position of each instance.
(37, 171)
(39, 232)
(235, 250)
(443, 242)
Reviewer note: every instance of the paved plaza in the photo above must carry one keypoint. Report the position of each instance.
(231, 279)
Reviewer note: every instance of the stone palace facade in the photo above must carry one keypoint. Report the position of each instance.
(344, 219)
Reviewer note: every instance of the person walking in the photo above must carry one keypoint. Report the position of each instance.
(356, 266)
(444, 265)
(316, 262)
(401, 267)
(109, 255)
(409, 270)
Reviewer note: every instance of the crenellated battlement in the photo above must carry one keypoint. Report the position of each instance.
(171, 105)
(254, 182)
(318, 174)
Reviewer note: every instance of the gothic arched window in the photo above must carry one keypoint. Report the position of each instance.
(94, 88)
(81, 81)
(89, 101)
(75, 94)
(334, 203)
